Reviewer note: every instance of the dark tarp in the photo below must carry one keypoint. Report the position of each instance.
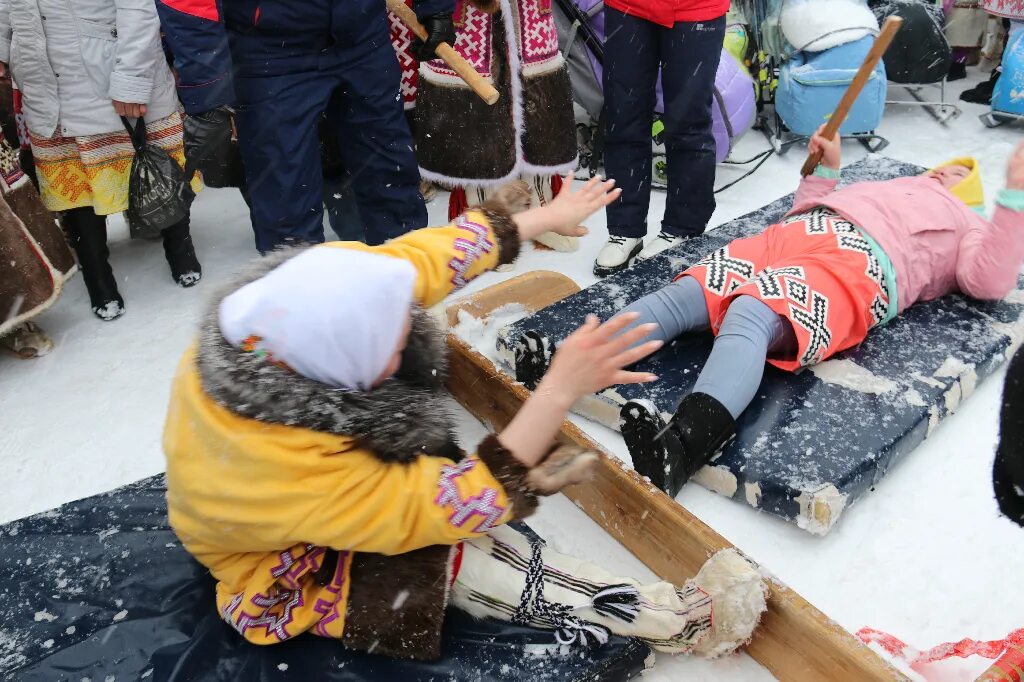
(101, 590)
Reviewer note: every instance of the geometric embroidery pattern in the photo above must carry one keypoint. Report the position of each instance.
(401, 40)
(814, 319)
(288, 600)
(769, 281)
(724, 273)
(483, 506)
(478, 244)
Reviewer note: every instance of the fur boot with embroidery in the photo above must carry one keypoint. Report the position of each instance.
(505, 575)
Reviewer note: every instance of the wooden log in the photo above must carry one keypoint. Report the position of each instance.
(795, 641)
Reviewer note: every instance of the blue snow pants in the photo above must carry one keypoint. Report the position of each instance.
(283, 84)
(687, 55)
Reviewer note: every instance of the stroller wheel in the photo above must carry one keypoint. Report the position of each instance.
(991, 120)
(659, 177)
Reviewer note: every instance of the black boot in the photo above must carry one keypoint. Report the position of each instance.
(982, 92)
(181, 255)
(669, 454)
(87, 234)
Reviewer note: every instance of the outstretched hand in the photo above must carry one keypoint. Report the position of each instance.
(832, 150)
(592, 358)
(568, 209)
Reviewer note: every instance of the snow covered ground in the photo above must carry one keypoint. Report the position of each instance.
(925, 556)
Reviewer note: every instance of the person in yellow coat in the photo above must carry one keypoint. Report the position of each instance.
(311, 464)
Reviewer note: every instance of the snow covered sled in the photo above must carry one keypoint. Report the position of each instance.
(810, 444)
(101, 589)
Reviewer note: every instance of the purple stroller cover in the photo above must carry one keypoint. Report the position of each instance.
(734, 107)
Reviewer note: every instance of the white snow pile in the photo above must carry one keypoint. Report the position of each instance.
(482, 334)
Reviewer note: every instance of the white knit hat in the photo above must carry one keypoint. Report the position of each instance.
(332, 314)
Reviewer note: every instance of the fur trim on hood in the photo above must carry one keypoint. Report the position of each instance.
(397, 421)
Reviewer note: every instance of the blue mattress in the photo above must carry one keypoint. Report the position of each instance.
(811, 443)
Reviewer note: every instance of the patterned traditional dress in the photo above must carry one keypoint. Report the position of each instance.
(815, 269)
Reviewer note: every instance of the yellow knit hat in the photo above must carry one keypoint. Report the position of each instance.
(969, 190)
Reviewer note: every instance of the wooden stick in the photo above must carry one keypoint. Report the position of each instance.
(795, 641)
(842, 110)
(445, 51)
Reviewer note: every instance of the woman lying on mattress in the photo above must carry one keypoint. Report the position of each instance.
(840, 263)
(311, 464)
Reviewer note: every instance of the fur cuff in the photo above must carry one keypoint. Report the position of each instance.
(511, 474)
(485, 6)
(504, 229)
(396, 603)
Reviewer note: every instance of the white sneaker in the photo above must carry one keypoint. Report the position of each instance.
(663, 241)
(616, 255)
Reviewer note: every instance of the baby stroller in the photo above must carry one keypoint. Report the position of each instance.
(808, 51)
(1008, 96)
(919, 55)
(581, 38)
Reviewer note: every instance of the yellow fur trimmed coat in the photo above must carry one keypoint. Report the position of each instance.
(332, 511)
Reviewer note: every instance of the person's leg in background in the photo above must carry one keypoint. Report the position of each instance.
(87, 234)
(631, 59)
(690, 52)
(342, 209)
(277, 122)
(181, 253)
(338, 195)
(368, 117)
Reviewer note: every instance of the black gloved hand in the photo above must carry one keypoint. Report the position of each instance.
(208, 146)
(439, 30)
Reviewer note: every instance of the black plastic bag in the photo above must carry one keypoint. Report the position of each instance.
(158, 196)
(211, 149)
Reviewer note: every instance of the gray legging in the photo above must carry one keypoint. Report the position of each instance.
(749, 332)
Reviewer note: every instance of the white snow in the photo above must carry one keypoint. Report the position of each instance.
(849, 374)
(925, 556)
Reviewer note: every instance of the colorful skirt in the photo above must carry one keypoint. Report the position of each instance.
(814, 269)
(93, 170)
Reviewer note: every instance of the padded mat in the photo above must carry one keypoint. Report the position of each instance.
(101, 590)
(810, 444)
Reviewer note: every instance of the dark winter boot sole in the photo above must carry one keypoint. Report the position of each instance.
(533, 353)
(651, 444)
(604, 271)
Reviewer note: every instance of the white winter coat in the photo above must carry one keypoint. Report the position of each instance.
(70, 58)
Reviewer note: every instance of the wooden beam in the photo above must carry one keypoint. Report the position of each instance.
(795, 641)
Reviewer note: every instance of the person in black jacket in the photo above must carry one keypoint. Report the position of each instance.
(281, 66)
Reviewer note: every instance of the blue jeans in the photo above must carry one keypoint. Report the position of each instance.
(750, 331)
(687, 55)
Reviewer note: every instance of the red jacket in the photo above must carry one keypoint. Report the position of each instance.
(668, 12)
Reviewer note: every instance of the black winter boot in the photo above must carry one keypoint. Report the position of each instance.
(957, 71)
(982, 92)
(669, 454)
(181, 255)
(87, 234)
